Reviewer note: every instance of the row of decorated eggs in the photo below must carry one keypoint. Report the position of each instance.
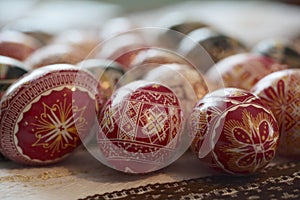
(142, 123)
(121, 35)
(147, 118)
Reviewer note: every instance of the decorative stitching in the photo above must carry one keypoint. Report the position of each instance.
(271, 183)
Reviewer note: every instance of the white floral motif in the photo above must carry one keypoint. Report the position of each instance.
(254, 140)
(58, 125)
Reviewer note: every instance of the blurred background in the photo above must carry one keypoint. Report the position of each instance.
(248, 20)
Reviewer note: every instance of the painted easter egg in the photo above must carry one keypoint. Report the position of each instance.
(45, 113)
(54, 54)
(188, 84)
(280, 50)
(107, 72)
(280, 91)
(217, 45)
(243, 70)
(234, 131)
(17, 45)
(141, 128)
(175, 27)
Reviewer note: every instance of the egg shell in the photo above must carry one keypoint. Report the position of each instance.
(17, 45)
(147, 60)
(181, 23)
(187, 83)
(175, 27)
(243, 70)
(125, 55)
(45, 113)
(107, 72)
(122, 48)
(157, 56)
(10, 70)
(280, 50)
(54, 54)
(31, 27)
(84, 40)
(140, 127)
(216, 44)
(234, 131)
(280, 91)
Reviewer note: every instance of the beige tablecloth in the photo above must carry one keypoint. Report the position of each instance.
(82, 175)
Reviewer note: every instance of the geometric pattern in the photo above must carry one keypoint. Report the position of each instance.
(244, 70)
(281, 93)
(144, 127)
(153, 123)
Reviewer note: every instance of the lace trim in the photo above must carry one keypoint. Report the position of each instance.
(275, 182)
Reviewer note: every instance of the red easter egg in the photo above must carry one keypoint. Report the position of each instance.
(140, 128)
(187, 83)
(84, 40)
(280, 91)
(44, 114)
(17, 45)
(243, 70)
(107, 72)
(234, 131)
(125, 55)
(122, 48)
(280, 50)
(54, 54)
(157, 56)
(148, 59)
